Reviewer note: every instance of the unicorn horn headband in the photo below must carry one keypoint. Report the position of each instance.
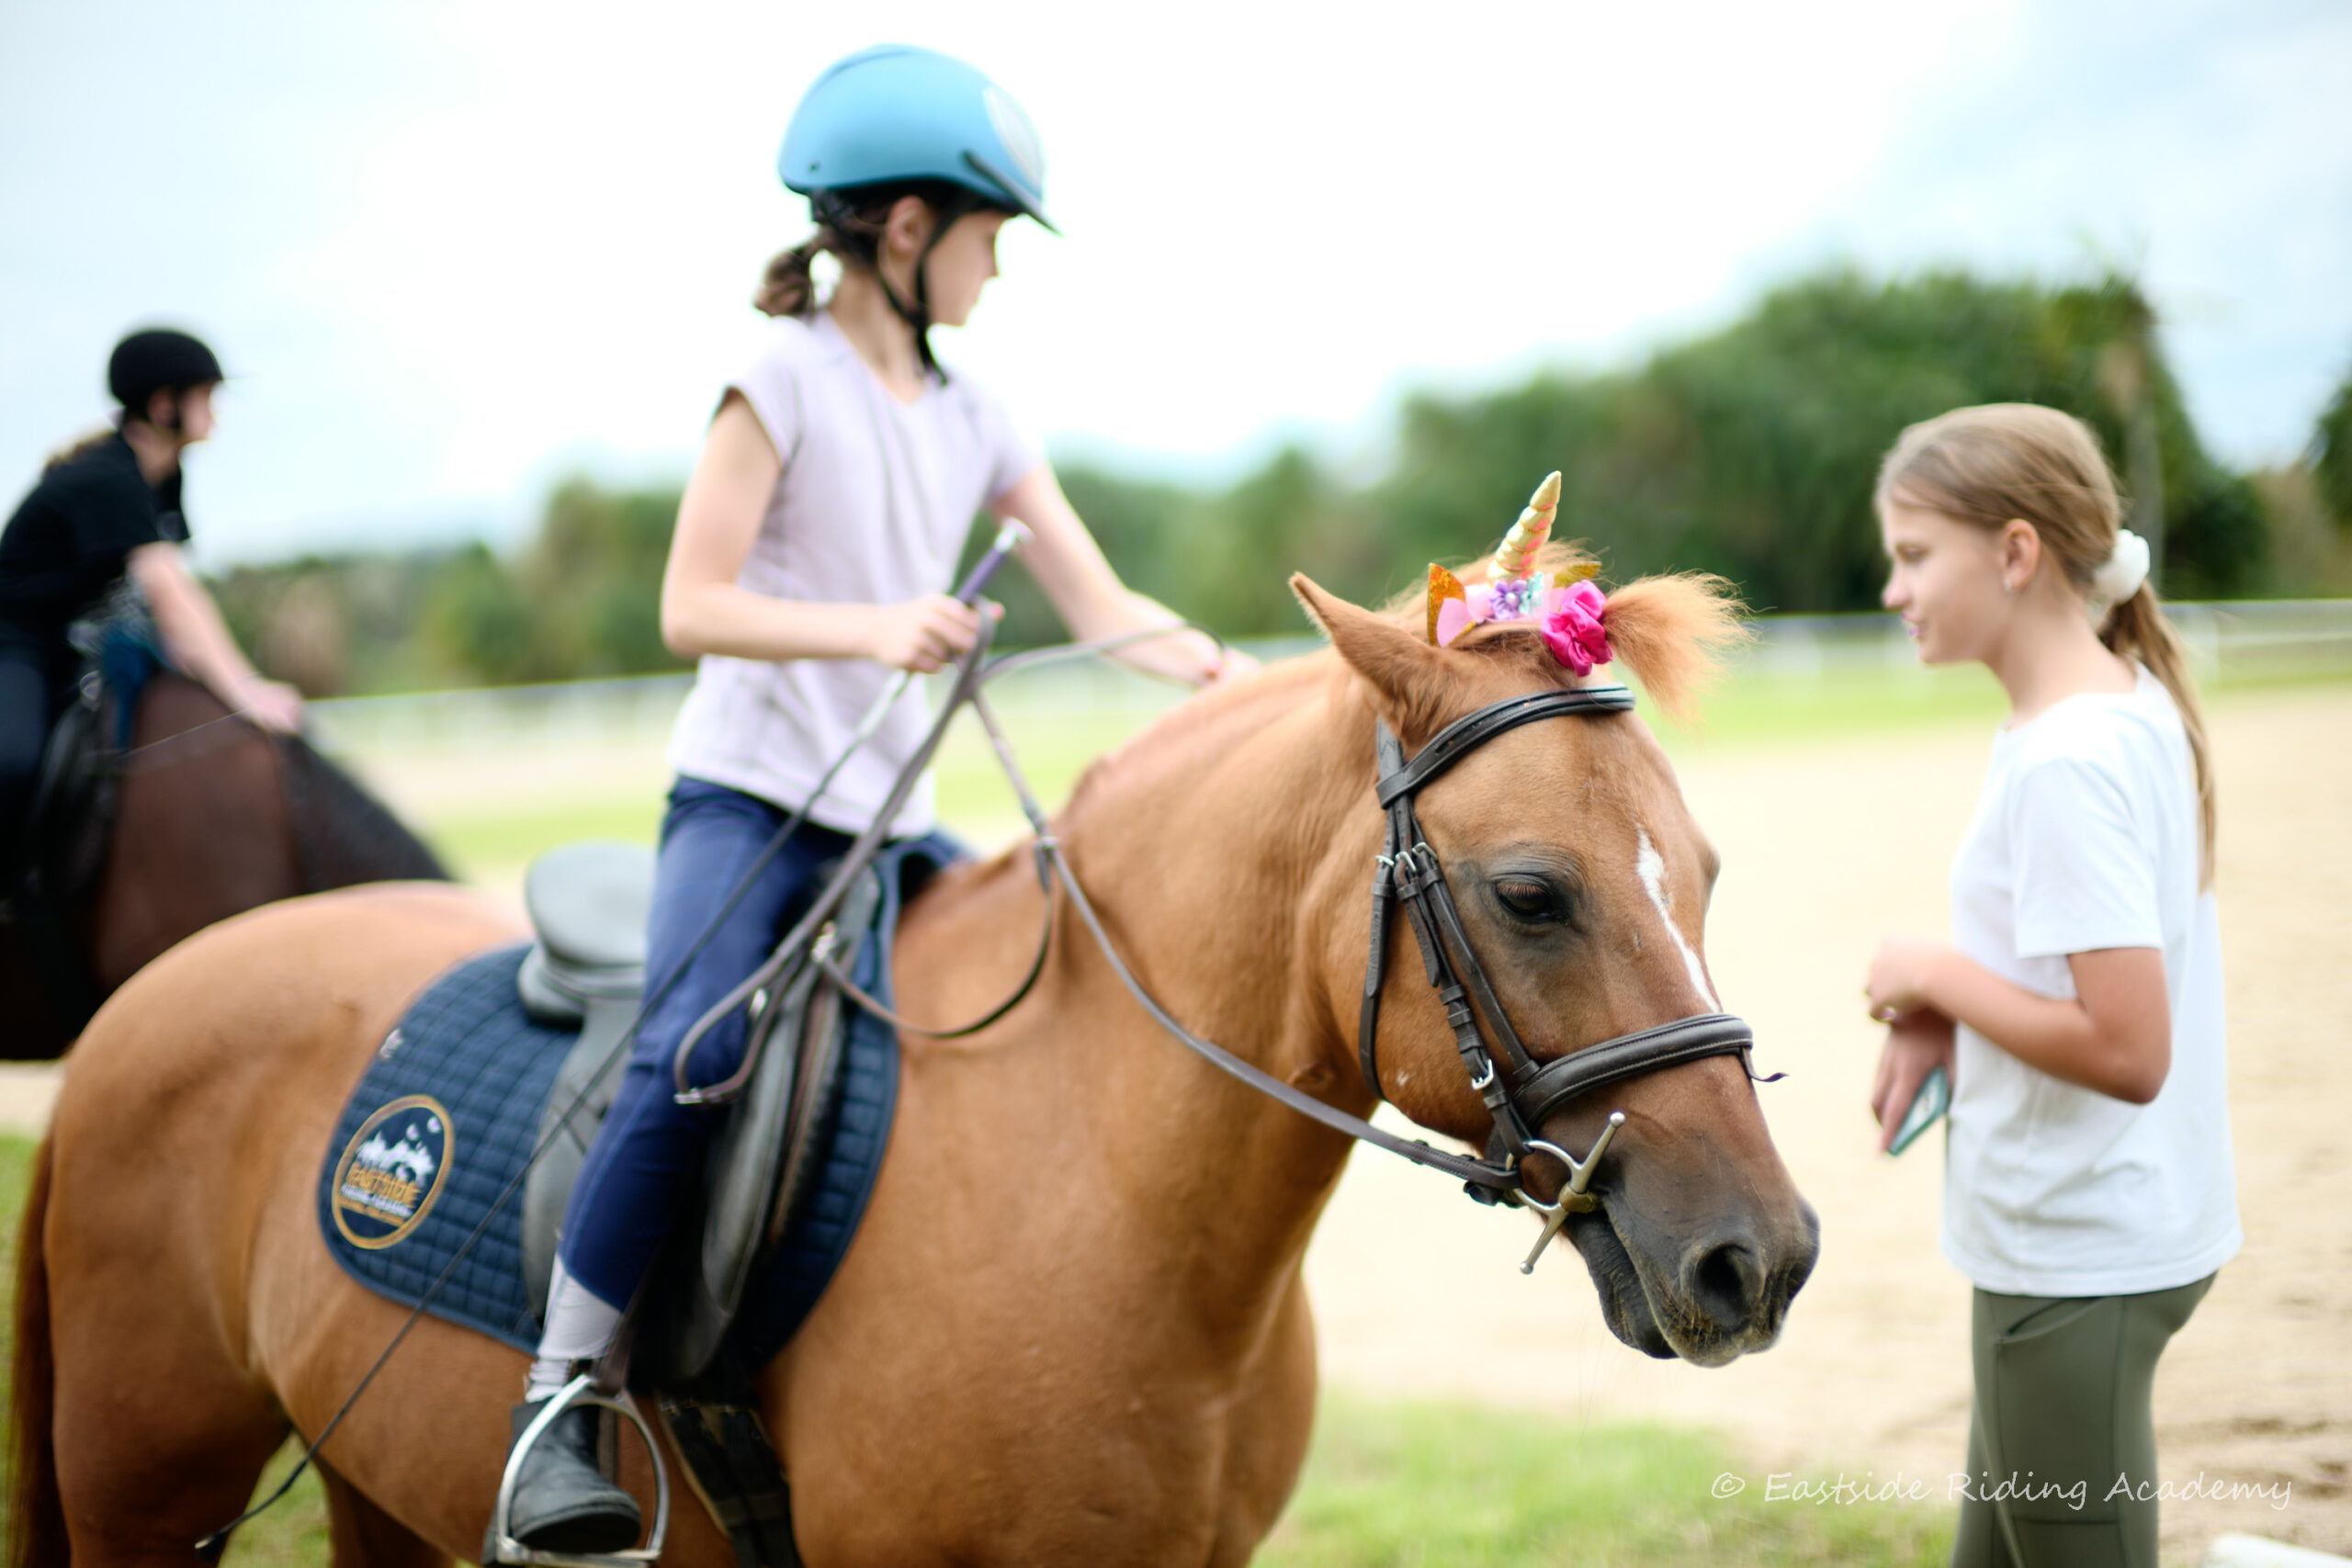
(1516, 557)
(1567, 607)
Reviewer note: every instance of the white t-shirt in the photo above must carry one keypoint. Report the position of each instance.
(2086, 838)
(873, 507)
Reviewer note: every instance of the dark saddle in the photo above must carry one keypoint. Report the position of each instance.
(455, 1155)
(781, 1149)
(55, 865)
(73, 802)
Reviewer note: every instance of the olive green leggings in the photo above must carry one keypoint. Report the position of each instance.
(2062, 1447)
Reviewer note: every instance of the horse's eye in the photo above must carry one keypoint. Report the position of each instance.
(1530, 899)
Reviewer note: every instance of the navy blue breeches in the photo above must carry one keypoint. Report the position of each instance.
(639, 1170)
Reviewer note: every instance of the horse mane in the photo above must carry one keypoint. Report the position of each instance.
(347, 835)
(1672, 631)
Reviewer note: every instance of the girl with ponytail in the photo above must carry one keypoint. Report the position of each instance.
(2088, 1186)
(813, 555)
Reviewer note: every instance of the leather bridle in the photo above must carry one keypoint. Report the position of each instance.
(1520, 1092)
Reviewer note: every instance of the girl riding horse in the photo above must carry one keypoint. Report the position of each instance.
(814, 541)
(105, 509)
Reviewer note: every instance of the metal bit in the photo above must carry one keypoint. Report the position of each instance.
(1574, 1199)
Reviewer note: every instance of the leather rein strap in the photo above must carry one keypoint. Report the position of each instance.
(1520, 1092)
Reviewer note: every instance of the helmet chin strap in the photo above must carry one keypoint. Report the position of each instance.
(917, 315)
(835, 213)
(946, 215)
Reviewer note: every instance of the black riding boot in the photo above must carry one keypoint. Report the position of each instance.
(563, 1502)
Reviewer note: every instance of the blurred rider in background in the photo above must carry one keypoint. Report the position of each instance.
(105, 509)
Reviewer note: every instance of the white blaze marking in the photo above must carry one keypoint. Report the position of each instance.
(1652, 867)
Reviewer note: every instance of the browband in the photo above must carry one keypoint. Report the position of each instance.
(1467, 734)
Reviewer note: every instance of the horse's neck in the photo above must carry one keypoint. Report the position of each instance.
(1212, 825)
(1213, 845)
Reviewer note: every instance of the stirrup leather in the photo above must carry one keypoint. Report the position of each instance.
(499, 1545)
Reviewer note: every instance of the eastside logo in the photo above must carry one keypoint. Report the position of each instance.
(391, 1171)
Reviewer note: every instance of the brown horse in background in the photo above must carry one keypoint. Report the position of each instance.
(1073, 1327)
(210, 815)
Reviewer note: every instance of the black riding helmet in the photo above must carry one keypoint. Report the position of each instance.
(158, 360)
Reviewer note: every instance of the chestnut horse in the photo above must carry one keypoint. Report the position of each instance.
(1073, 1327)
(211, 817)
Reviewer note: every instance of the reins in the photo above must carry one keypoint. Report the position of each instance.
(1408, 871)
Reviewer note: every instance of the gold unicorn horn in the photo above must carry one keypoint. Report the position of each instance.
(1517, 556)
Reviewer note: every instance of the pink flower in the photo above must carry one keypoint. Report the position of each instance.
(1573, 630)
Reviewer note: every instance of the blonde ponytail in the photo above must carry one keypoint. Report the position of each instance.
(2136, 628)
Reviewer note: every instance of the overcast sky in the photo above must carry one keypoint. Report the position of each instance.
(455, 248)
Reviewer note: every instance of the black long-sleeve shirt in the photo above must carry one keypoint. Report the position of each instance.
(69, 539)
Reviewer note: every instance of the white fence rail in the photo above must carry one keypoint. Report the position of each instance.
(2236, 642)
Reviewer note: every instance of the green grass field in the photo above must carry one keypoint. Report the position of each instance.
(1396, 1483)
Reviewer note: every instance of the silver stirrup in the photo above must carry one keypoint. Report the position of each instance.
(1573, 1199)
(499, 1545)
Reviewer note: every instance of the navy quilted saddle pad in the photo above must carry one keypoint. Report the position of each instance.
(424, 1173)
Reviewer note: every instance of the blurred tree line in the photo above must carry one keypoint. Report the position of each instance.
(1749, 452)
(580, 599)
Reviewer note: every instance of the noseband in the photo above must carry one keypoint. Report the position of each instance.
(1520, 1092)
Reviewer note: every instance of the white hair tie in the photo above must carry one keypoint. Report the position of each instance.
(2119, 576)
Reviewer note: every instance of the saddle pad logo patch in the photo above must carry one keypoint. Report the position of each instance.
(391, 1171)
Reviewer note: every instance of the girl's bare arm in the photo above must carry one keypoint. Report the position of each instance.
(1070, 567)
(2114, 1035)
(198, 642)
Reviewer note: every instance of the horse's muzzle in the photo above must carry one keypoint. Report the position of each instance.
(1710, 1301)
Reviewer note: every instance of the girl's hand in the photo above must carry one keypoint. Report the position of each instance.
(1233, 666)
(1898, 978)
(924, 634)
(1188, 657)
(1917, 1043)
(273, 705)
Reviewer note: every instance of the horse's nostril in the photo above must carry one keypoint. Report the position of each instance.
(1725, 1283)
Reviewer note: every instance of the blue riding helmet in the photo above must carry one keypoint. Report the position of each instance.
(898, 112)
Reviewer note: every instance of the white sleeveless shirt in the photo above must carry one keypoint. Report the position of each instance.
(872, 506)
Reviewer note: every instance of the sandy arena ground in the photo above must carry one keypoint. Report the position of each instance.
(1826, 846)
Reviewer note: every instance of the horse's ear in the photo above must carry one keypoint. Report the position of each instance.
(1408, 677)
